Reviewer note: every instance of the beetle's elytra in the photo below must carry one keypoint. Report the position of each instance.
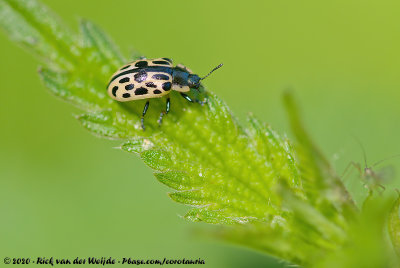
(152, 78)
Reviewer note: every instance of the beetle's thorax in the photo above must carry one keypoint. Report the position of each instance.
(179, 77)
(180, 80)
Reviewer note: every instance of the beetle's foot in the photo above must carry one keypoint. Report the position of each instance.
(159, 121)
(142, 123)
(201, 102)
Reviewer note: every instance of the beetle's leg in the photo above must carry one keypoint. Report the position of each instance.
(168, 105)
(195, 100)
(186, 97)
(146, 106)
(201, 102)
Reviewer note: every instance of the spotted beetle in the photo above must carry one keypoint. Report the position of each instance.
(153, 78)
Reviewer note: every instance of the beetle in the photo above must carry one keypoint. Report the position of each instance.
(153, 78)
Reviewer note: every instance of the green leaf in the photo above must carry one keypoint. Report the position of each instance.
(100, 48)
(394, 226)
(101, 124)
(157, 159)
(316, 173)
(367, 245)
(179, 180)
(32, 25)
(70, 89)
(138, 145)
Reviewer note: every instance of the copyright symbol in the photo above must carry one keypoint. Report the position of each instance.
(7, 260)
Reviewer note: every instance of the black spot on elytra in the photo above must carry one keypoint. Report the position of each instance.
(167, 86)
(167, 59)
(126, 95)
(114, 91)
(162, 62)
(140, 76)
(129, 87)
(124, 80)
(151, 84)
(157, 91)
(126, 67)
(141, 64)
(160, 77)
(141, 91)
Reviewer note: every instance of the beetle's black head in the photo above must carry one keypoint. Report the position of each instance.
(194, 81)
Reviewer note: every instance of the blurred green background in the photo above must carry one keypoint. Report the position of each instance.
(66, 193)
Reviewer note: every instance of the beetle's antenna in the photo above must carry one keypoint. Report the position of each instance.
(216, 68)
